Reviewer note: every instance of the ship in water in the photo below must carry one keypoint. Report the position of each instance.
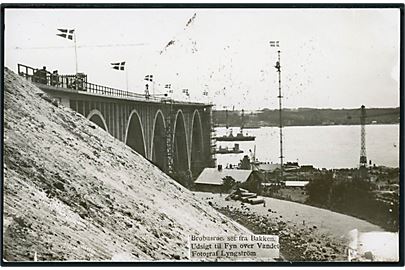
(239, 136)
(225, 150)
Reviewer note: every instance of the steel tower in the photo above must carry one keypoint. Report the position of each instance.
(278, 67)
(276, 43)
(363, 157)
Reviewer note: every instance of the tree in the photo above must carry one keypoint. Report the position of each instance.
(227, 183)
(245, 163)
(319, 189)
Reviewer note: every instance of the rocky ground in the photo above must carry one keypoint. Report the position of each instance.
(73, 192)
(306, 233)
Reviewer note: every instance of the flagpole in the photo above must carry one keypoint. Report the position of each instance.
(126, 76)
(75, 49)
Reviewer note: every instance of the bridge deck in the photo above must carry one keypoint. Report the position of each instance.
(78, 84)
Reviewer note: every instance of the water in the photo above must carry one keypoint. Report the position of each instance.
(321, 146)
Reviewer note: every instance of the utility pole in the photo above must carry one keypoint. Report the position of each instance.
(226, 119)
(126, 76)
(242, 122)
(74, 39)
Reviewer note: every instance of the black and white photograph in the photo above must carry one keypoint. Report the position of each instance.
(204, 134)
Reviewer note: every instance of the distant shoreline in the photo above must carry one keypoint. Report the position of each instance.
(247, 127)
(307, 117)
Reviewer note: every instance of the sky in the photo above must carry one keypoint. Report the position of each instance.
(330, 58)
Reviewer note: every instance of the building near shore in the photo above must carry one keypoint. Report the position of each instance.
(211, 179)
(296, 184)
(266, 167)
(287, 184)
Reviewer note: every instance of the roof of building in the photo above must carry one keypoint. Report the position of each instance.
(267, 167)
(269, 184)
(213, 176)
(296, 183)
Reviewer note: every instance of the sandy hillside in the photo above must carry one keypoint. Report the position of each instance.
(73, 192)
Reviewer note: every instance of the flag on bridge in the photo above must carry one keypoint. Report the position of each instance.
(149, 78)
(66, 33)
(274, 43)
(169, 87)
(118, 66)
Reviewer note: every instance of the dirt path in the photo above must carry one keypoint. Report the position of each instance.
(306, 232)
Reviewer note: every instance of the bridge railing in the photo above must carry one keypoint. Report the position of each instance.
(77, 82)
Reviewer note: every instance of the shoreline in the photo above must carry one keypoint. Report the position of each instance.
(286, 126)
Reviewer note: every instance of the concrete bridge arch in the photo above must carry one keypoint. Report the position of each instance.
(196, 144)
(180, 143)
(134, 135)
(97, 118)
(158, 147)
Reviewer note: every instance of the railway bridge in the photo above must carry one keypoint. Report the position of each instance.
(174, 135)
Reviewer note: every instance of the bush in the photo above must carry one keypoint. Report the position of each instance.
(353, 197)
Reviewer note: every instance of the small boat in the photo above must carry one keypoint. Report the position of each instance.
(239, 136)
(226, 150)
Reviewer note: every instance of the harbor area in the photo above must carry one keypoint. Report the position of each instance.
(374, 190)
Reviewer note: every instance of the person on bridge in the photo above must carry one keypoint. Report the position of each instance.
(55, 78)
(40, 76)
(147, 95)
